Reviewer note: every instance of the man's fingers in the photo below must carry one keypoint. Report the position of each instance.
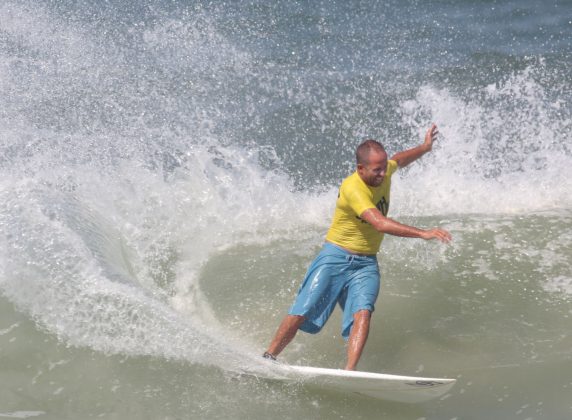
(432, 133)
(437, 233)
(445, 236)
(442, 235)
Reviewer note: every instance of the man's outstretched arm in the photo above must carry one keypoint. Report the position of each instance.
(405, 157)
(386, 225)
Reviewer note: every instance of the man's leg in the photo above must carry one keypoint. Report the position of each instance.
(358, 337)
(286, 332)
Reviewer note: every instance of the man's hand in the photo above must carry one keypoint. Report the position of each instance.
(437, 233)
(405, 157)
(386, 225)
(430, 137)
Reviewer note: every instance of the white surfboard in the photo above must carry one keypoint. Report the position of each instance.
(408, 389)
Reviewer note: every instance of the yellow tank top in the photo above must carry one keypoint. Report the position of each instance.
(348, 230)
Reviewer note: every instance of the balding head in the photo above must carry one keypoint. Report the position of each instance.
(371, 162)
(365, 149)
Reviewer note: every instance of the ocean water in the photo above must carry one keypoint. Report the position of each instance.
(168, 169)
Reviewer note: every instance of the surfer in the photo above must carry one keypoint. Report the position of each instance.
(346, 271)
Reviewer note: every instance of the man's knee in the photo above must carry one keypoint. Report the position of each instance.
(362, 316)
(295, 320)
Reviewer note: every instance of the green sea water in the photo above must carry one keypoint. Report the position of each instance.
(170, 169)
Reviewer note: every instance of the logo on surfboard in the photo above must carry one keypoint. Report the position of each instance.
(424, 383)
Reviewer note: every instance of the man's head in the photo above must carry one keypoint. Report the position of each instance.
(371, 162)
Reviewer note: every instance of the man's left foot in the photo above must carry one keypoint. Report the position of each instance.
(270, 356)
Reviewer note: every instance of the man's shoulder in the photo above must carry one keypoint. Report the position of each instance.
(350, 177)
(353, 181)
(353, 189)
(392, 166)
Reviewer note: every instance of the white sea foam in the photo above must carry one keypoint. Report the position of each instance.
(112, 261)
(560, 284)
(22, 414)
(112, 200)
(503, 151)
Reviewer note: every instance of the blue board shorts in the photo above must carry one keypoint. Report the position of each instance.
(336, 276)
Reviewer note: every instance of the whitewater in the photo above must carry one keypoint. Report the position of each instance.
(169, 170)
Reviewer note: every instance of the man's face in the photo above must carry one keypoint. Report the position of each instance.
(373, 171)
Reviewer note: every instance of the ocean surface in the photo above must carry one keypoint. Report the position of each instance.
(169, 168)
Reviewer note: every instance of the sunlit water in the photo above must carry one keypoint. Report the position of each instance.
(169, 171)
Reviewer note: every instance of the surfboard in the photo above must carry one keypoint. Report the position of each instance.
(407, 389)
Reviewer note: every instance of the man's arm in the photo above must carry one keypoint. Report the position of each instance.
(386, 225)
(405, 157)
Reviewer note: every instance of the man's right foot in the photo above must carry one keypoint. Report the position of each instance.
(270, 356)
